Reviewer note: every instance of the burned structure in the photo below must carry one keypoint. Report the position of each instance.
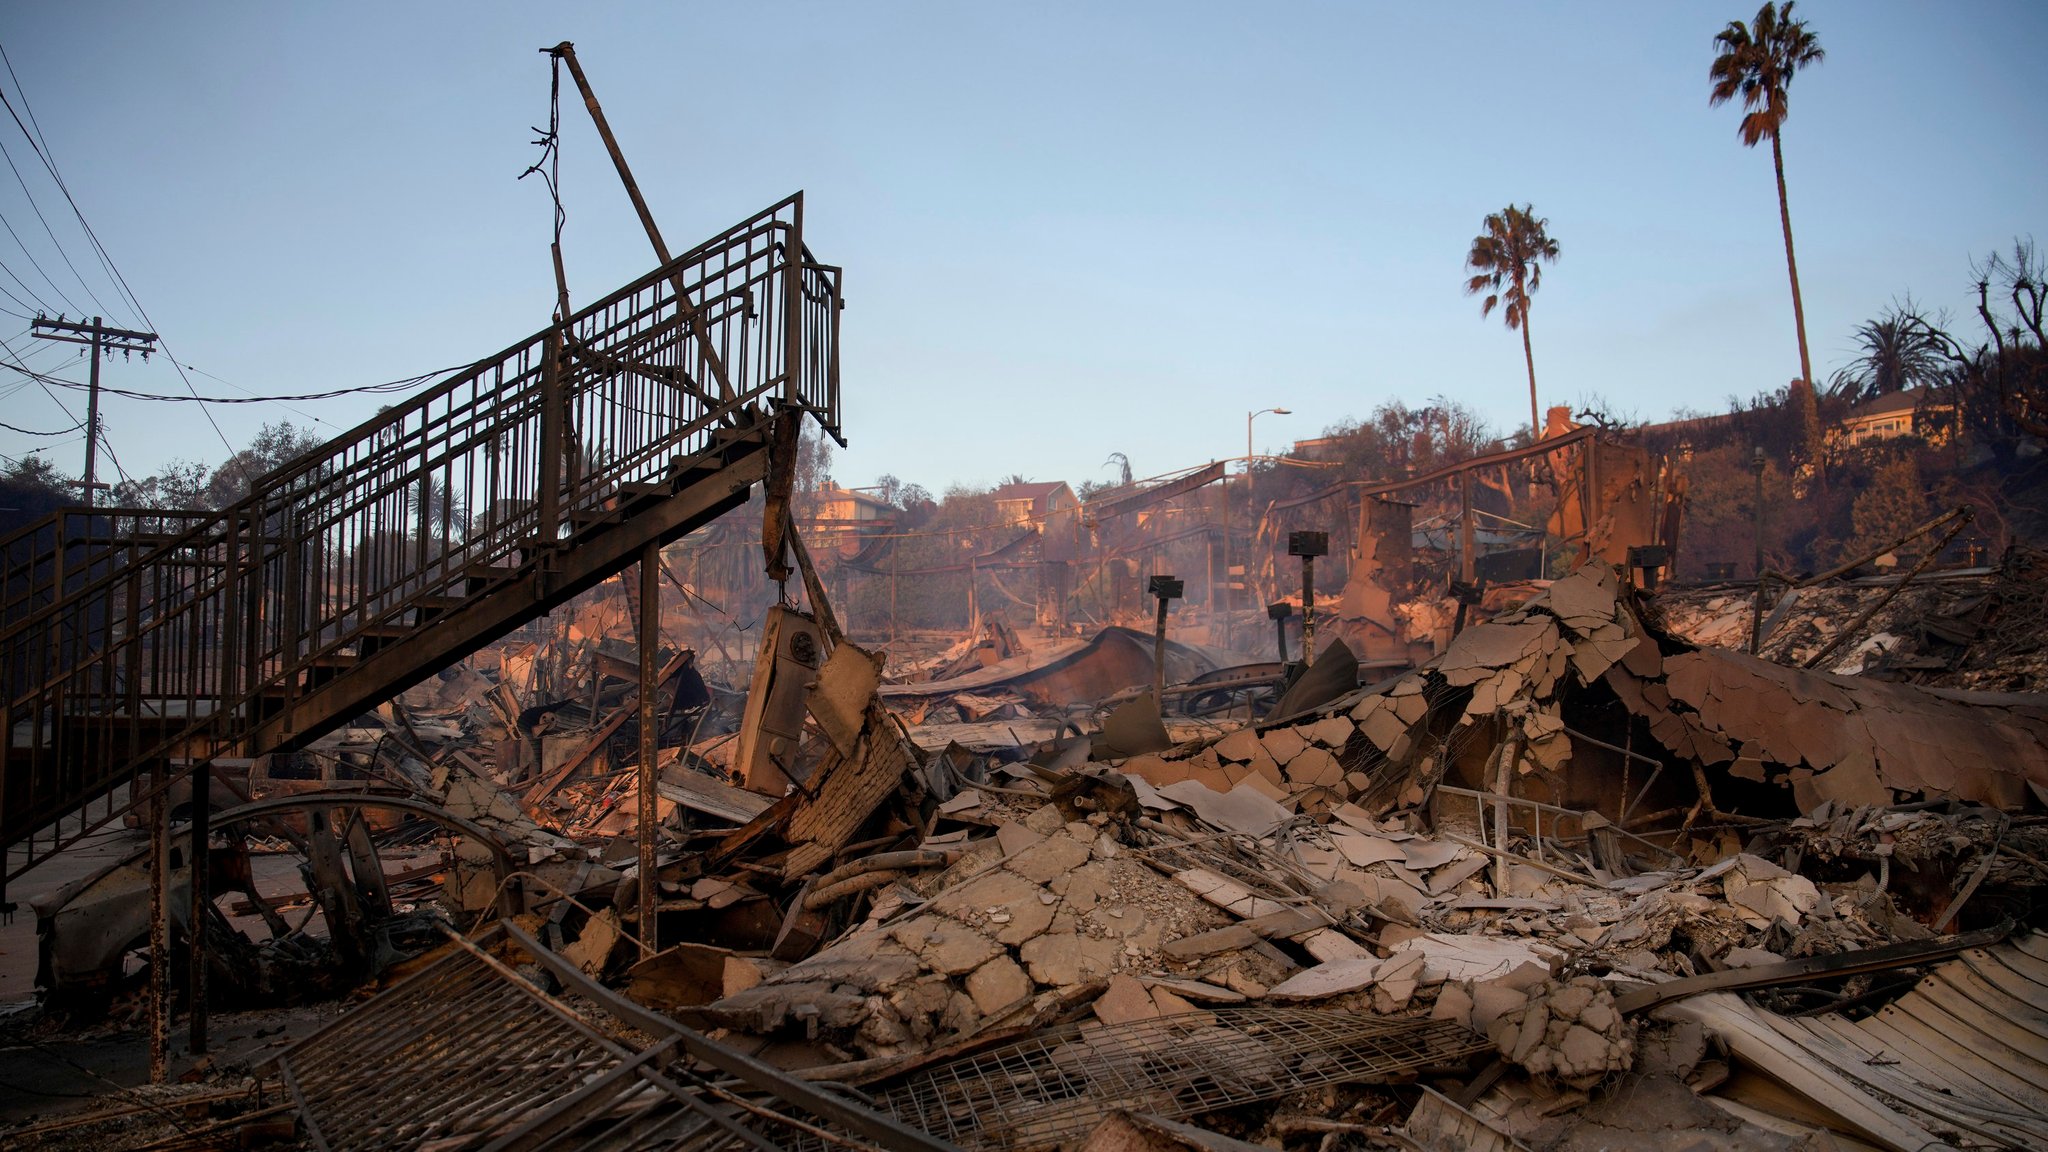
(1524, 847)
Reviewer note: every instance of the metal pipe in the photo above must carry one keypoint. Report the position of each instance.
(650, 635)
(159, 926)
(195, 935)
(1308, 611)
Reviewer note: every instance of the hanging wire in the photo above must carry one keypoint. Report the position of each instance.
(549, 169)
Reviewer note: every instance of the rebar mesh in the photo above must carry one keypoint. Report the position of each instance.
(465, 1055)
(1058, 1085)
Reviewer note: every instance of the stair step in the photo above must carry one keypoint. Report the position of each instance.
(595, 515)
(387, 631)
(330, 660)
(439, 603)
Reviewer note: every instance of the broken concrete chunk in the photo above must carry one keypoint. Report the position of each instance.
(1283, 745)
(1240, 746)
(1053, 856)
(1009, 907)
(1125, 1001)
(1331, 978)
(1014, 838)
(1195, 990)
(1317, 767)
(1330, 944)
(1449, 956)
(1395, 981)
(1330, 732)
(945, 945)
(1063, 959)
(1227, 894)
(1383, 728)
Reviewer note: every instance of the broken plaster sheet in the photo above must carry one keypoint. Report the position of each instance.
(1582, 601)
(1330, 978)
(1482, 648)
(1362, 850)
(1452, 956)
(1242, 809)
(1227, 894)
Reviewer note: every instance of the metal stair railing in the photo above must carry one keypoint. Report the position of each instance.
(482, 482)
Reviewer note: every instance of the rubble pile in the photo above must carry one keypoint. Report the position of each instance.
(1978, 629)
(1507, 851)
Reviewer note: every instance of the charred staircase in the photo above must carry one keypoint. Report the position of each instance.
(134, 644)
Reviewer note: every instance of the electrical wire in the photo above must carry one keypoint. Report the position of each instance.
(37, 265)
(389, 386)
(106, 260)
(66, 256)
(33, 432)
(40, 145)
(39, 307)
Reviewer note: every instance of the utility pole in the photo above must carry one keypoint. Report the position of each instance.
(99, 338)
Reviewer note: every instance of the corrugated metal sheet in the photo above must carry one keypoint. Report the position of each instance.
(1966, 1049)
(1960, 1061)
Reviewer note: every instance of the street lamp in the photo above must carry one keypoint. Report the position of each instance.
(1249, 417)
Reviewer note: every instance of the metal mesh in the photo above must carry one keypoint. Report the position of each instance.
(466, 1055)
(1058, 1085)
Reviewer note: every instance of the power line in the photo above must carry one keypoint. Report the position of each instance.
(392, 386)
(41, 304)
(41, 144)
(66, 256)
(106, 260)
(37, 265)
(33, 432)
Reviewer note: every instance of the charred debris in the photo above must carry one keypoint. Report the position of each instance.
(1473, 856)
(1571, 860)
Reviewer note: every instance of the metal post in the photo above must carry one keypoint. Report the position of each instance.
(650, 636)
(1278, 614)
(100, 339)
(1308, 611)
(1756, 618)
(1467, 563)
(195, 936)
(1159, 655)
(92, 421)
(552, 419)
(566, 53)
(1223, 492)
(1308, 546)
(1167, 589)
(159, 926)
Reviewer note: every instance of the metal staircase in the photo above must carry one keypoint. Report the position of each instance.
(146, 642)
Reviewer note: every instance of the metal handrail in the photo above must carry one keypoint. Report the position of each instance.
(486, 471)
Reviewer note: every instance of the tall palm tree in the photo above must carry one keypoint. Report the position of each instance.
(1757, 62)
(1506, 263)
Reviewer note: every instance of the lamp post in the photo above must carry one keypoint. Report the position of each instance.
(1248, 418)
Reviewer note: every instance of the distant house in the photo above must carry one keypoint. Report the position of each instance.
(1320, 448)
(1893, 415)
(1051, 507)
(1031, 503)
(846, 507)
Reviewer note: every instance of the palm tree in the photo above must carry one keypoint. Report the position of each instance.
(1506, 263)
(1899, 351)
(1758, 62)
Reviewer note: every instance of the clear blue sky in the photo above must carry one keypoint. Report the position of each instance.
(1068, 229)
